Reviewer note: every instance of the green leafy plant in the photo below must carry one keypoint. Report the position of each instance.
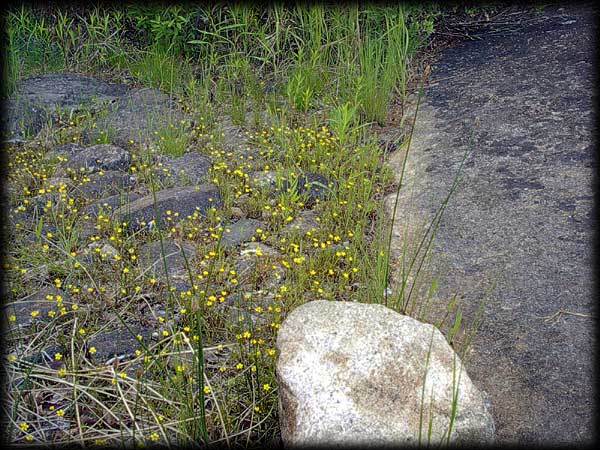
(342, 120)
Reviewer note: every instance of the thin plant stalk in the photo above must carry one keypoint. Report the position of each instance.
(404, 161)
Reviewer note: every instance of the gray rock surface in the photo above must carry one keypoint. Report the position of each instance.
(136, 116)
(120, 343)
(234, 137)
(185, 201)
(97, 185)
(97, 252)
(24, 226)
(354, 374)
(254, 248)
(56, 183)
(304, 222)
(522, 217)
(39, 304)
(237, 213)
(189, 169)
(47, 356)
(151, 259)
(63, 151)
(37, 100)
(263, 179)
(34, 209)
(240, 232)
(108, 204)
(96, 158)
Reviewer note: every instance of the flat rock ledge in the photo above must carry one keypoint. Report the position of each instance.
(353, 374)
(39, 99)
(174, 203)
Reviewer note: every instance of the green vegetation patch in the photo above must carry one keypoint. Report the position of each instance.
(156, 332)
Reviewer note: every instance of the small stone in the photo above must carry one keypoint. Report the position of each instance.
(354, 374)
(240, 232)
(106, 253)
(263, 179)
(233, 136)
(237, 213)
(254, 248)
(244, 203)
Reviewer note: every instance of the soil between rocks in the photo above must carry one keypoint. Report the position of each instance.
(522, 217)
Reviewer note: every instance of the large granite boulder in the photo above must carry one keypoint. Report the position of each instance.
(362, 374)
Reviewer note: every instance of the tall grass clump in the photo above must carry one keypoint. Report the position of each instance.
(353, 54)
(307, 53)
(42, 40)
